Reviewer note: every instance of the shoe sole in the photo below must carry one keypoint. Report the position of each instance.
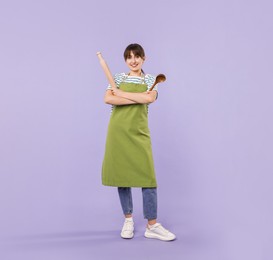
(127, 237)
(155, 236)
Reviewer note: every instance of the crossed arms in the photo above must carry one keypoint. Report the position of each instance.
(120, 97)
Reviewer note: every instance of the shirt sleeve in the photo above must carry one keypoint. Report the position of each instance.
(118, 79)
(150, 79)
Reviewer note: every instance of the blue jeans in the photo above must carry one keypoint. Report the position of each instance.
(149, 196)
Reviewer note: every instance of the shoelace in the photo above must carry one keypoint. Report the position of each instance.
(127, 226)
(163, 229)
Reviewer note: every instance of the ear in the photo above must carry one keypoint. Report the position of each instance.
(144, 58)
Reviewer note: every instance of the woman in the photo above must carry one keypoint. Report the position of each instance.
(128, 160)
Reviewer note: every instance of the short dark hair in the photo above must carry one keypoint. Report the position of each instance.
(136, 49)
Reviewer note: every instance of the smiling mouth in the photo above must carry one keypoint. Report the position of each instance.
(134, 65)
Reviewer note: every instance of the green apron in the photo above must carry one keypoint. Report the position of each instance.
(128, 159)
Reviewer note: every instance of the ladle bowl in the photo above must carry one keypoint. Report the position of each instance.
(159, 78)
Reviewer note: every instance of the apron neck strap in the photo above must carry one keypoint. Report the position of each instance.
(142, 76)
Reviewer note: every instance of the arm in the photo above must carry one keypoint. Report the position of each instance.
(141, 98)
(111, 99)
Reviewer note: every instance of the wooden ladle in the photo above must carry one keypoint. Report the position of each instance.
(159, 78)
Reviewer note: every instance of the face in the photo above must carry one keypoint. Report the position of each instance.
(135, 62)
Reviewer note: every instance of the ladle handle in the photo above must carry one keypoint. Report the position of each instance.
(107, 71)
(151, 88)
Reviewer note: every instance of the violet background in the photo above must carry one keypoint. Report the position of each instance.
(211, 128)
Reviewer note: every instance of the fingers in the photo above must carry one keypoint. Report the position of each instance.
(115, 91)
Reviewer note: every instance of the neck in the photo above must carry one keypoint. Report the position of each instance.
(135, 73)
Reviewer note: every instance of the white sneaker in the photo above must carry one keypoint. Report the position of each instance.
(128, 228)
(159, 232)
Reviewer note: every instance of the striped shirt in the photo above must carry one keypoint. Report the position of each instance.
(123, 77)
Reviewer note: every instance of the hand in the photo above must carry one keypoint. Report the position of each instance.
(117, 92)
